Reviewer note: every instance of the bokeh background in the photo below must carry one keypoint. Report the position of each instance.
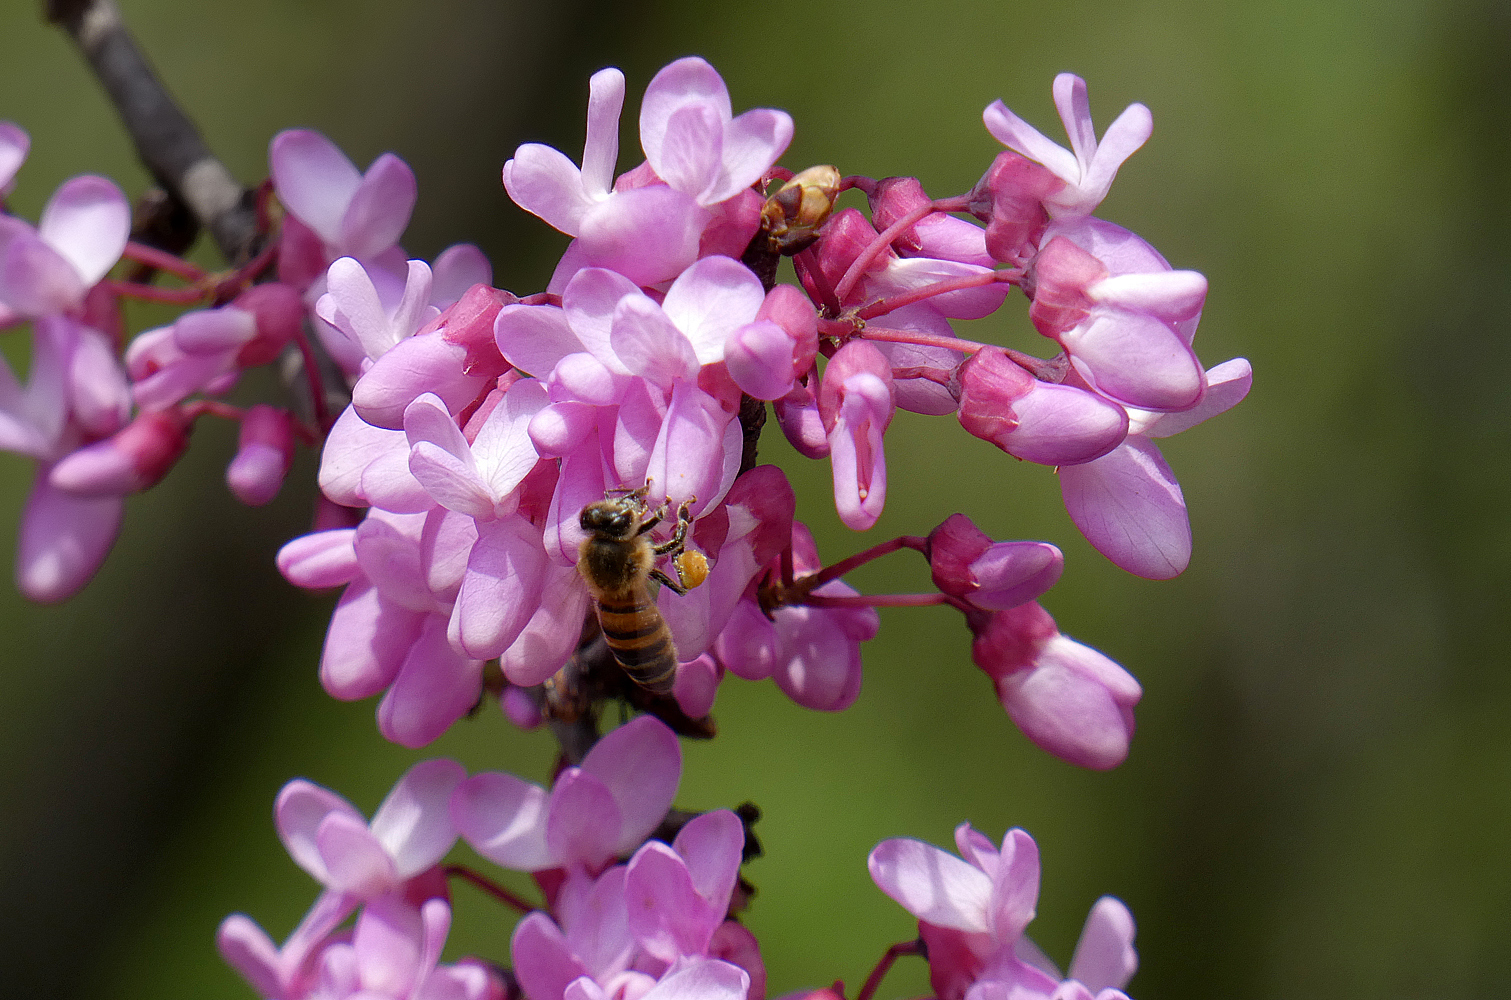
(1318, 802)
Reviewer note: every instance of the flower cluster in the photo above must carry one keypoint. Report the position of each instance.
(504, 479)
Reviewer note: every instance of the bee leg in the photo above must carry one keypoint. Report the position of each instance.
(674, 545)
(667, 581)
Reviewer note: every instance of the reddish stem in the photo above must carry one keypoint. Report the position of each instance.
(877, 247)
(924, 372)
(895, 952)
(1045, 370)
(844, 566)
(152, 293)
(493, 889)
(807, 259)
(883, 306)
(163, 261)
(875, 600)
(214, 408)
(317, 386)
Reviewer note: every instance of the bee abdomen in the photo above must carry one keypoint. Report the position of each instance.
(640, 641)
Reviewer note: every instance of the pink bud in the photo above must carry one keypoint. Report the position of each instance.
(797, 413)
(265, 450)
(696, 685)
(1068, 698)
(891, 199)
(845, 236)
(279, 314)
(790, 309)
(519, 708)
(470, 323)
(965, 563)
(1036, 421)
(1009, 198)
(1057, 281)
(133, 459)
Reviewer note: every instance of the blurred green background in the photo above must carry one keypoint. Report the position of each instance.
(1318, 801)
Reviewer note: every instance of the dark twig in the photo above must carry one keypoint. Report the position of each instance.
(168, 143)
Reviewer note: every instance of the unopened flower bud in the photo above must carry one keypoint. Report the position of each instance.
(1009, 198)
(797, 414)
(519, 708)
(696, 685)
(1036, 421)
(1057, 281)
(133, 459)
(264, 453)
(278, 312)
(793, 215)
(967, 564)
(1068, 698)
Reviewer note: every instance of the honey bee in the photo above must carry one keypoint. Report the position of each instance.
(617, 561)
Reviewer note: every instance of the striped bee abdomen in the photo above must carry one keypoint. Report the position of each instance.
(639, 639)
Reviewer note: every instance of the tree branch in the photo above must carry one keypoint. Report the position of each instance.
(168, 143)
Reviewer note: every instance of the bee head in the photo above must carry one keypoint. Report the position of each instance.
(618, 519)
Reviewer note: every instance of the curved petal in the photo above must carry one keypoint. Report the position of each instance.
(1130, 508)
(686, 81)
(63, 540)
(1104, 957)
(300, 809)
(600, 150)
(710, 300)
(641, 764)
(88, 221)
(667, 915)
(647, 234)
(650, 345)
(504, 819)
(544, 182)
(582, 821)
(931, 884)
(414, 822)
(534, 338)
(354, 861)
(435, 687)
(314, 180)
(751, 144)
(379, 209)
(1021, 137)
(691, 150)
(366, 643)
(501, 589)
(711, 845)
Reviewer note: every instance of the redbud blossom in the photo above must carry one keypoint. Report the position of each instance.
(14, 144)
(1068, 698)
(855, 401)
(1036, 421)
(133, 459)
(966, 563)
(264, 452)
(81, 235)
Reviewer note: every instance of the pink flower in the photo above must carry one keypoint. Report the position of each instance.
(966, 563)
(352, 214)
(1128, 503)
(1043, 422)
(409, 834)
(855, 401)
(1087, 168)
(698, 156)
(14, 144)
(1068, 698)
(678, 896)
(82, 233)
(592, 814)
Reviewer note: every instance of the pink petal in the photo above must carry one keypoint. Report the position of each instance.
(14, 144)
(350, 447)
(710, 300)
(711, 846)
(301, 808)
(818, 665)
(752, 143)
(543, 962)
(856, 454)
(63, 540)
(650, 345)
(640, 763)
(1075, 113)
(1104, 956)
(1227, 385)
(552, 633)
(534, 338)
(387, 942)
(544, 182)
(932, 885)
(688, 458)
(414, 366)
(501, 588)
(648, 234)
(210, 331)
(1169, 295)
(414, 823)
(435, 687)
(599, 922)
(504, 819)
(354, 860)
(248, 950)
(314, 180)
(686, 81)
(582, 820)
(691, 148)
(1129, 506)
(1019, 136)
(1123, 137)
(706, 980)
(319, 560)
(35, 279)
(600, 150)
(1015, 886)
(1013, 573)
(975, 847)
(366, 643)
(1136, 359)
(590, 302)
(458, 268)
(1064, 425)
(379, 209)
(88, 221)
(666, 913)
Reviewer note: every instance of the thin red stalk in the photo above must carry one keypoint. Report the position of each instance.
(895, 952)
(924, 372)
(214, 408)
(152, 293)
(876, 600)
(491, 888)
(918, 337)
(883, 306)
(317, 385)
(808, 261)
(877, 247)
(844, 566)
(163, 261)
